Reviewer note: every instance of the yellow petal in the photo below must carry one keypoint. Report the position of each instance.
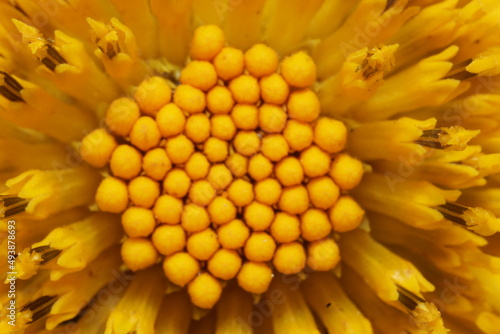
(242, 25)
(28, 105)
(175, 314)
(381, 269)
(70, 300)
(410, 201)
(289, 311)
(139, 307)
(54, 191)
(338, 313)
(283, 36)
(72, 253)
(174, 20)
(234, 311)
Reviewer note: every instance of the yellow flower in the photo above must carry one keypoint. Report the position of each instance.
(250, 166)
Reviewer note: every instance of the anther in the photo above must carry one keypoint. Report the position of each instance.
(10, 88)
(11, 205)
(454, 138)
(409, 299)
(46, 253)
(50, 57)
(479, 220)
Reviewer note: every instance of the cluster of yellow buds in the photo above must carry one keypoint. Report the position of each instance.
(231, 172)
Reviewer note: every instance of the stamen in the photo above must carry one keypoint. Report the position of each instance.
(10, 88)
(11, 205)
(479, 220)
(454, 138)
(41, 313)
(52, 58)
(425, 315)
(39, 307)
(408, 298)
(459, 72)
(37, 303)
(46, 253)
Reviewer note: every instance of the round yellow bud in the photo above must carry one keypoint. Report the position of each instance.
(285, 228)
(225, 264)
(274, 89)
(259, 167)
(199, 74)
(112, 195)
(152, 94)
(274, 147)
(156, 164)
(219, 176)
(202, 193)
(229, 63)
(207, 42)
(202, 245)
(145, 134)
(323, 192)
(294, 200)
(346, 215)
(190, 99)
(322, 255)
(260, 247)
(290, 258)
(221, 210)
(237, 164)
(181, 268)
(240, 192)
(268, 191)
(179, 149)
(177, 183)
(330, 135)
(289, 172)
(233, 235)
(126, 162)
(197, 128)
(303, 105)
(315, 161)
(299, 70)
(315, 225)
(261, 60)
(143, 191)
(205, 291)
(245, 89)
(195, 218)
(197, 166)
(258, 216)
(138, 253)
(216, 150)
(121, 115)
(220, 100)
(222, 127)
(298, 135)
(138, 222)
(97, 147)
(272, 118)
(170, 120)
(168, 209)
(247, 142)
(245, 116)
(169, 239)
(346, 171)
(255, 277)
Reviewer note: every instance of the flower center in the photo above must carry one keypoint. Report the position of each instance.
(231, 175)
